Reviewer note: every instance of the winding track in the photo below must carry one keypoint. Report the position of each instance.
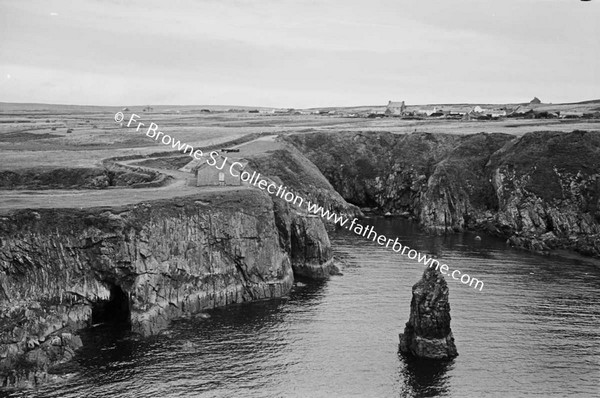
(180, 185)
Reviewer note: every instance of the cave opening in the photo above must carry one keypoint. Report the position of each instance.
(115, 310)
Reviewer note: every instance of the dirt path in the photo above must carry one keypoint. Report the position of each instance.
(181, 185)
(10, 200)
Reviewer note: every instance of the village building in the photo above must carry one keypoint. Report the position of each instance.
(522, 110)
(570, 114)
(395, 108)
(496, 113)
(455, 114)
(210, 175)
(426, 112)
(483, 113)
(207, 175)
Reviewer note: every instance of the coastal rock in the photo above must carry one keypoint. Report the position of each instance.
(530, 190)
(144, 264)
(311, 253)
(290, 168)
(304, 236)
(427, 333)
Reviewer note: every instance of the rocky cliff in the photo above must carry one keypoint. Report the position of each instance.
(541, 191)
(547, 187)
(145, 263)
(304, 236)
(288, 167)
(427, 333)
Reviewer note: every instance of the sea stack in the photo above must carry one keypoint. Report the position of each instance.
(427, 333)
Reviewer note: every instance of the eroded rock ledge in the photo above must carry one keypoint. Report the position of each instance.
(149, 263)
(427, 333)
(541, 191)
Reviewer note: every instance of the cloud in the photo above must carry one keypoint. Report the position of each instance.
(297, 52)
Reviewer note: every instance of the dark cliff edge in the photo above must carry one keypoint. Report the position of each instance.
(305, 238)
(303, 235)
(288, 167)
(541, 191)
(62, 269)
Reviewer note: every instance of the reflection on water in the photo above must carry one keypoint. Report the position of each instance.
(424, 378)
(533, 330)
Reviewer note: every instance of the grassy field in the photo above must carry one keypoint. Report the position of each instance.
(41, 135)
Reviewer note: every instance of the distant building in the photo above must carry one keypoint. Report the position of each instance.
(210, 175)
(535, 101)
(495, 113)
(522, 110)
(426, 112)
(570, 115)
(207, 175)
(492, 113)
(395, 108)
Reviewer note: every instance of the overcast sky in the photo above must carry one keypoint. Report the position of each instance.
(303, 53)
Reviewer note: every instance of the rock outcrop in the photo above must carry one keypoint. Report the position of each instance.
(144, 264)
(427, 333)
(289, 168)
(305, 238)
(112, 175)
(541, 191)
(148, 263)
(548, 190)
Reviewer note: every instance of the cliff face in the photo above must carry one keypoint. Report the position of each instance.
(306, 240)
(290, 168)
(458, 190)
(427, 333)
(548, 190)
(302, 235)
(148, 263)
(541, 191)
(381, 170)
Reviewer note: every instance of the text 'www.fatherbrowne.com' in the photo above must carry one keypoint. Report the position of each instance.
(283, 192)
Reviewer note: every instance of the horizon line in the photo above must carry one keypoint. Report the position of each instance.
(310, 107)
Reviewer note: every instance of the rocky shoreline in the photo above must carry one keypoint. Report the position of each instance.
(148, 263)
(62, 269)
(529, 190)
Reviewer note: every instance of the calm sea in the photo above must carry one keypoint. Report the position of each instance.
(534, 330)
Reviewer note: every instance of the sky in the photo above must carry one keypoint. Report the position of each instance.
(298, 53)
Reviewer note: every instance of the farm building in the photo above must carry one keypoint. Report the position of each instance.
(207, 175)
(426, 112)
(395, 108)
(217, 174)
(570, 114)
(492, 113)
